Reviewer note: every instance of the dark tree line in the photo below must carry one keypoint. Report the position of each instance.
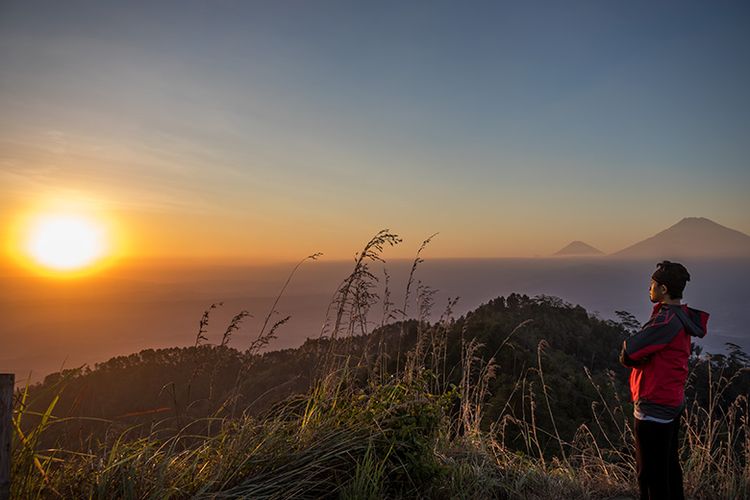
(574, 352)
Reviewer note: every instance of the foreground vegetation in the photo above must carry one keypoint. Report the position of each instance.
(522, 398)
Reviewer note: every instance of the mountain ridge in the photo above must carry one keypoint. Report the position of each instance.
(691, 237)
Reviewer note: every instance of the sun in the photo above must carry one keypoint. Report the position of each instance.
(66, 242)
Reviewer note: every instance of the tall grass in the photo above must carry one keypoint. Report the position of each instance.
(374, 427)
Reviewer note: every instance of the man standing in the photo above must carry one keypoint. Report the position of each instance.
(658, 355)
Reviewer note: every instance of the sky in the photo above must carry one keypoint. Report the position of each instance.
(268, 131)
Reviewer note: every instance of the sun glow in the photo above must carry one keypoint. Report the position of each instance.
(64, 243)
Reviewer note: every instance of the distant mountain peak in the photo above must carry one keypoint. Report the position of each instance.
(691, 237)
(578, 247)
(696, 221)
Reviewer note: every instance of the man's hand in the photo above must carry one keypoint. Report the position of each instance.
(629, 362)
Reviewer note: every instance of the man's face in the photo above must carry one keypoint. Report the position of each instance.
(656, 291)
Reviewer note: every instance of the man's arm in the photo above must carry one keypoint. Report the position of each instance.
(657, 333)
(629, 362)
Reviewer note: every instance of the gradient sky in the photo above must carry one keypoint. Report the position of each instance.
(272, 130)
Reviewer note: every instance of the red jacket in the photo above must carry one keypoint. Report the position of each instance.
(658, 355)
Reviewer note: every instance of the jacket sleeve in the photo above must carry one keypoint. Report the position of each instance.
(629, 362)
(656, 334)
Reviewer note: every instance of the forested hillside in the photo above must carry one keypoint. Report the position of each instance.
(527, 339)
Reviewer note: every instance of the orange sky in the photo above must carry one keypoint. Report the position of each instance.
(291, 232)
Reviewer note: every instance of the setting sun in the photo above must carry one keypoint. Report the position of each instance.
(69, 235)
(66, 242)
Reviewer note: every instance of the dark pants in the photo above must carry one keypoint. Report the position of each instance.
(657, 460)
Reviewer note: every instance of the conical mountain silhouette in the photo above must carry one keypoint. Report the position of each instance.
(578, 248)
(691, 237)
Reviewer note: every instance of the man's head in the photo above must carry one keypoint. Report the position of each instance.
(668, 281)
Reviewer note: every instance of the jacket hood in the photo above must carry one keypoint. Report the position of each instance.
(694, 320)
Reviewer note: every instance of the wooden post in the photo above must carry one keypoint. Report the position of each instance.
(7, 383)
